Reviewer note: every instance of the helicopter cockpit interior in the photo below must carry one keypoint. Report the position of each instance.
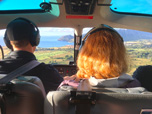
(63, 24)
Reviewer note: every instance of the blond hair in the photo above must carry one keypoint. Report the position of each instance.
(20, 43)
(102, 56)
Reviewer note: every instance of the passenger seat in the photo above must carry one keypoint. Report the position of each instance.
(105, 101)
(26, 96)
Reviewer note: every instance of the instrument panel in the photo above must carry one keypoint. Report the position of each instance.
(66, 70)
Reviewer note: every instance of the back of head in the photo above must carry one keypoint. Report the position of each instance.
(103, 54)
(21, 29)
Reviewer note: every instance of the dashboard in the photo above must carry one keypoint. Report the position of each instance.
(66, 70)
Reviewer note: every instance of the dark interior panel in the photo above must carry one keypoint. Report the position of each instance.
(66, 70)
(79, 7)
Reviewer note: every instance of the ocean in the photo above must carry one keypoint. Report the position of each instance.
(47, 41)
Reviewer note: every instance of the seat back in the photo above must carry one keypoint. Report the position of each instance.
(108, 101)
(24, 96)
(32, 79)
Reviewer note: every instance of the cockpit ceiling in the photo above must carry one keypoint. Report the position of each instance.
(56, 13)
(76, 7)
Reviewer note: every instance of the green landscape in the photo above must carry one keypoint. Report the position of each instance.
(58, 55)
(139, 52)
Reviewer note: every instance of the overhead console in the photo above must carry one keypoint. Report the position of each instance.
(79, 7)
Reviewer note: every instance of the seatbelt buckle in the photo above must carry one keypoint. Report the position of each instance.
(6, 88)
(83, 97)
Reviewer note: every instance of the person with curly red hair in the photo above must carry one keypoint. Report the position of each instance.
(102, 60)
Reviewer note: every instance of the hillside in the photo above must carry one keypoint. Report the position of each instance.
(67, 38)
(133, 35)
(127, 34)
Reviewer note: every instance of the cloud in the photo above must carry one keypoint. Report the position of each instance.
(49, 31)
(2, 32)
(55, 31)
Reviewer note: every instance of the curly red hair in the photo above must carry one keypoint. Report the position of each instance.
(102, 56)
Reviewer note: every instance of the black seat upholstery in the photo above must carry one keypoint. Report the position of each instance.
(108, 101)
(32, 79)
(26, 96)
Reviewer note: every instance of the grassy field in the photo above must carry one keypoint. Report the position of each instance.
(6, 52)
(55, 55)
(135, 61)
(139, 55)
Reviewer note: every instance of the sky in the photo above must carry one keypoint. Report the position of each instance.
(22, 4)
(46, 31)
(52, 31)
(49, 31)
(19, 3)
(134, 6)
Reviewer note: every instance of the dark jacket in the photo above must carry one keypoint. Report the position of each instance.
(144, 75)
(46, 72)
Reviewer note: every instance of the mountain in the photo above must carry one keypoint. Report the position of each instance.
(67, 38)
(127, 34)
(133, 35)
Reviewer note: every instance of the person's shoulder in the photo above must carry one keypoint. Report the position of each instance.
(146, 66)
(49, 69)
(142, 71)
(46, 66)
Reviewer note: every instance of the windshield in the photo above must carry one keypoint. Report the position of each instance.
(56, 45)
(132, 6)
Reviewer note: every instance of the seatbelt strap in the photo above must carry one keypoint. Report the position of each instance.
(82, 109)
(19, 71)
(83, 101)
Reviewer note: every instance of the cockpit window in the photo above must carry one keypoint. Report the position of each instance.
(20, 4)
(132, 6)
(85, 30)
(56, 45)
(138, 45)
(29, 6)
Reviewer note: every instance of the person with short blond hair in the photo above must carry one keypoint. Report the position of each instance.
(22, 36)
